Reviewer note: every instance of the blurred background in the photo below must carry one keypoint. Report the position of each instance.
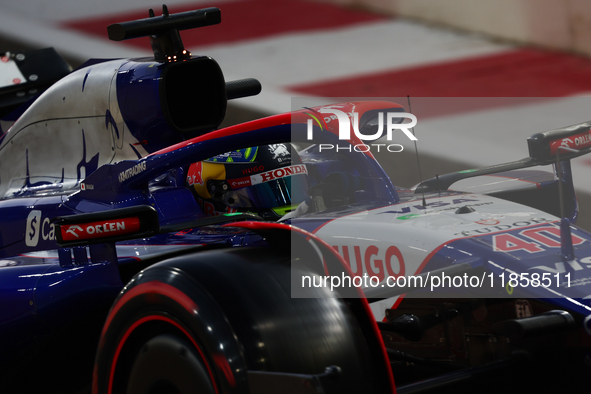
(481, 75)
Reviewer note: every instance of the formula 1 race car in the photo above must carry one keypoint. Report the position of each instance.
(146, 250)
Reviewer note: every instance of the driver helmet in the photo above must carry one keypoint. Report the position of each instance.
(268, 180)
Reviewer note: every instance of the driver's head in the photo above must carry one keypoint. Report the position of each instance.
(269, 180)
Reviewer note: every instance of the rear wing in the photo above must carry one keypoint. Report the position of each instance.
(549, 147)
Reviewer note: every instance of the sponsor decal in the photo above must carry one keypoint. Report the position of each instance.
(279, 151)
(278, 173)
(267, 176)
(239, 182)
(578, 142)
(133, 171)
(106, 228)
(532, 240)
(194, 174)
(435, 204)
(85, 186)
(373, 260)
(252, 170)
(503, 227)
(36, 227)
(32, 228)
(561, 267)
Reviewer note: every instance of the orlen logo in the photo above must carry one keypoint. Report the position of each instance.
(345, 129)
(579, 141)
(243, 182)
(278, 173)
(107, 228)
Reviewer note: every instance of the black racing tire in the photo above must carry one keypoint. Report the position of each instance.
(169, 364)
(161, 310)
(216, 315)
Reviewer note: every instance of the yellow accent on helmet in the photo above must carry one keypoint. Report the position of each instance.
(216, 171)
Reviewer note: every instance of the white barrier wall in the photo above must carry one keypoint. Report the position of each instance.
(556, 24)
